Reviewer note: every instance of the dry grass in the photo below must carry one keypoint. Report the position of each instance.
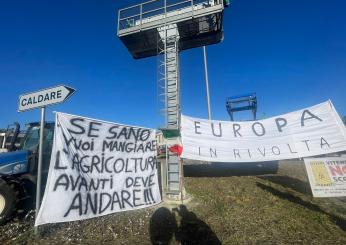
(267, 209)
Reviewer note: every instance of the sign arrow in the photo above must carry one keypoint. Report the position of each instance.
(44, 97)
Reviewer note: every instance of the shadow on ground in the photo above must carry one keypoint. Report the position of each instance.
(219, 169)
(162, 227)
(289, 182)
(190, 230)
(286, 196)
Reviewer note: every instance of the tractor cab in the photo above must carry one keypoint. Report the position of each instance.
(30, 144)
(25, 159)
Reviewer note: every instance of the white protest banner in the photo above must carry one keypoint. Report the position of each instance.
(98, 168)
(327, 176)
(313, 131)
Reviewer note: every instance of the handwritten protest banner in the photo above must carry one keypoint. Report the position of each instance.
(98, 168)
(327, 176)
(313, 131)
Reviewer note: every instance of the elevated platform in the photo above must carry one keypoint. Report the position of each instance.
(242, 103)
(199, 23)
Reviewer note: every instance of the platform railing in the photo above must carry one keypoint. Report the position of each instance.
(133, 16)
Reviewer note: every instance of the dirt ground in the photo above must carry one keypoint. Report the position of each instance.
(252, 204)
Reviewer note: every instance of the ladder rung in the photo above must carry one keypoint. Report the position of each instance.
(170, 172)
(173, 192)
(173, 181)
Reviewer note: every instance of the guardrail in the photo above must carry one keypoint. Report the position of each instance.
(133, 16)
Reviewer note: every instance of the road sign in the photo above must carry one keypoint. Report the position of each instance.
(44, 97)
(41, 99)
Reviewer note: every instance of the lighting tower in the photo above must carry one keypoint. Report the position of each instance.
(163, 28)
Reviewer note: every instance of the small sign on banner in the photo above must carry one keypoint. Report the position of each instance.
(327, 176)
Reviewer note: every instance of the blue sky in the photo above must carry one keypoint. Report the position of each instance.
(292, 53)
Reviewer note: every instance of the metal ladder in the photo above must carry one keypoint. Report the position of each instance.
(168, 80)
(169, 95)
(173, 174)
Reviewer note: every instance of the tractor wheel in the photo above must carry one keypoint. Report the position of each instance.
(29, 187)
(7, 202)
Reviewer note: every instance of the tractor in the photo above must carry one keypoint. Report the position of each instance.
(18, 171)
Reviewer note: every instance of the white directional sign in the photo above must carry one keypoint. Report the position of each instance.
(44, 97)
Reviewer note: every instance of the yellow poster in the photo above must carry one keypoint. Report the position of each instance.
(320, 173)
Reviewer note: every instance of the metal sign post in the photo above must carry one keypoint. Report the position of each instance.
(39, 165)
(41, 99)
